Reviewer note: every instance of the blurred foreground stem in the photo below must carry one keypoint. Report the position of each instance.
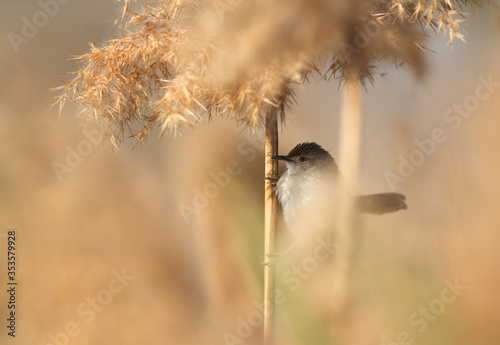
(271, 172)
(349, 159)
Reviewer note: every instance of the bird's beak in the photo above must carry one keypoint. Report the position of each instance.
(282, 158)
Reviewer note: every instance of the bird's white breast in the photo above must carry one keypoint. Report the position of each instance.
(300, 194)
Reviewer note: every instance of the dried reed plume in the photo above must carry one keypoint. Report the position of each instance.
(180, 62)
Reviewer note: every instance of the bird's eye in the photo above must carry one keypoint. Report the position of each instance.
(302, 159)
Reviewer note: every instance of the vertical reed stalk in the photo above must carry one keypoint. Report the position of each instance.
(349, 159)
(271, 171)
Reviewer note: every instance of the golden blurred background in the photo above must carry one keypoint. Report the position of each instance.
(162, 243)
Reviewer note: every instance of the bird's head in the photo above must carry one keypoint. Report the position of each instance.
(306, 157)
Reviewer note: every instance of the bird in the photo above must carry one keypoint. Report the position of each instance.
(312, 184)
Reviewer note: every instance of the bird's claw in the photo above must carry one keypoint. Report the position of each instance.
(273, 258)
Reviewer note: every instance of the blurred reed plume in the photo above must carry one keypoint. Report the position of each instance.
(181, 61)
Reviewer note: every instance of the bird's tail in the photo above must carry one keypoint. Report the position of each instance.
(380, 203)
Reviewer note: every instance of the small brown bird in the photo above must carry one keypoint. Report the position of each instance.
(312, 179)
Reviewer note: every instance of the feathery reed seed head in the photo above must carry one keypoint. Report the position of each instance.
(181, 61)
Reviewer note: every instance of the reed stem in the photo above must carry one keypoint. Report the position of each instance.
(349, 159)
(271, 172)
